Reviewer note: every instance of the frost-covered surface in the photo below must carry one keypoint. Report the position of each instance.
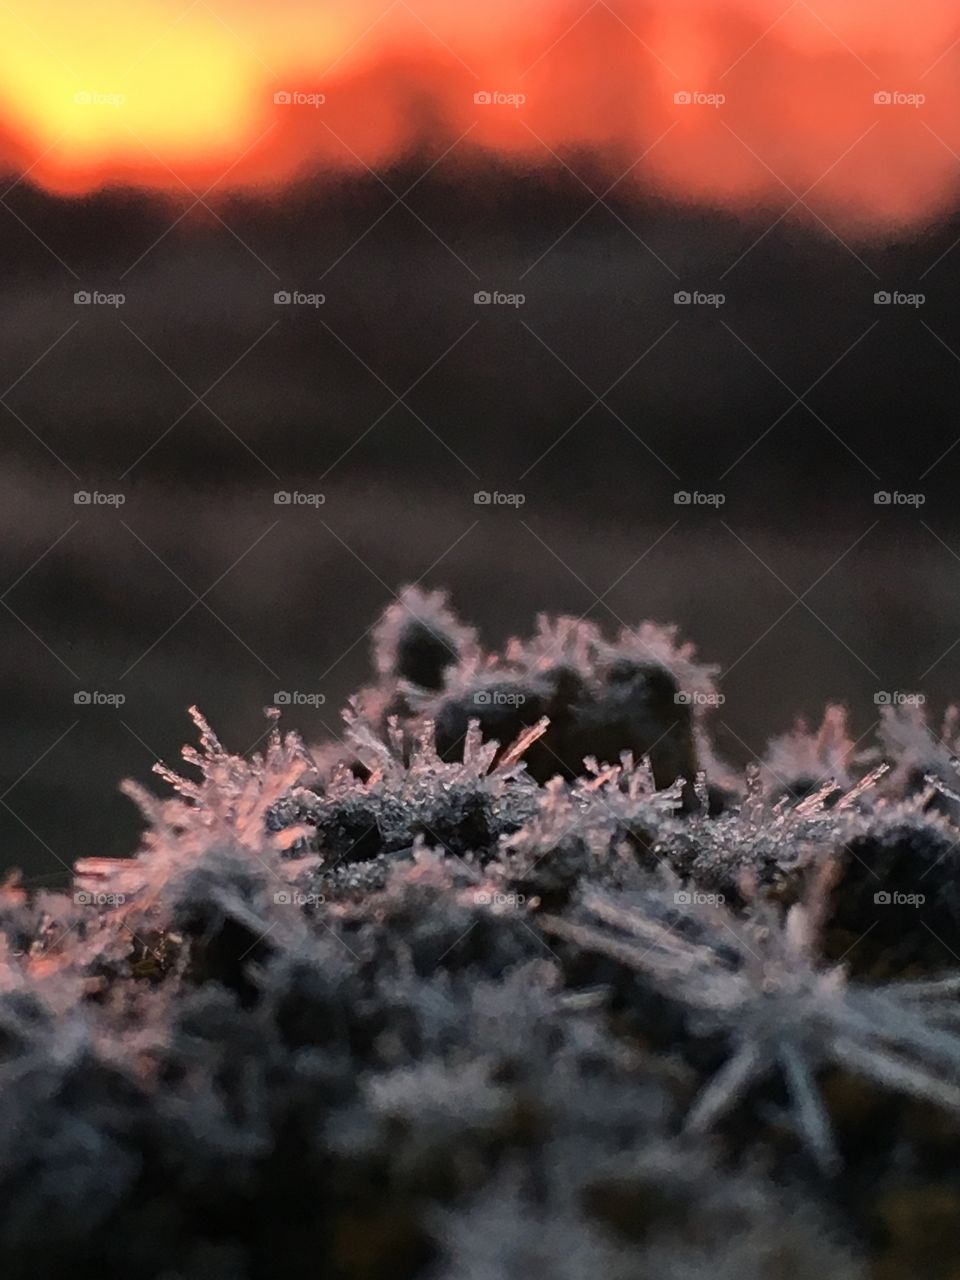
(428, 1007)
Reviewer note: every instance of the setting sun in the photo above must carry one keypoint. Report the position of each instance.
(159, 95)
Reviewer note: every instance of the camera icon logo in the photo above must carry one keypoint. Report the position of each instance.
(682, 898)
(883, 298)
(483, 99)
(482, 698)
(282, 498)
(82, 699)
(283, 898)
(883, 98)
(882, 498)
(482, 498)
(882, 898)
(82, 899)
(683, 699)
(683, 299)
(282, 98)
(82, 299)
(882, 699)
(282, 698)
(82, 498)
(483, 298)
(683, 98)
(82, 98)
(282, 298)
(682, 498)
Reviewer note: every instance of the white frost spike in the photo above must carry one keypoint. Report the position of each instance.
(758, 982)
(524, 741)
(939, 785)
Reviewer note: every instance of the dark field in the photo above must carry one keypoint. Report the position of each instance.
(397, 400)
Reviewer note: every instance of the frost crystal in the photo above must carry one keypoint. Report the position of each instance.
(525, 983)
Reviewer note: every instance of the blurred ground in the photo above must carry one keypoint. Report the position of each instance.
(597, 400)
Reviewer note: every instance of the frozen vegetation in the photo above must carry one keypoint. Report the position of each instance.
(518, 980)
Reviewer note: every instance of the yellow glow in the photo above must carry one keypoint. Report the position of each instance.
(103, 80)
(184, 89)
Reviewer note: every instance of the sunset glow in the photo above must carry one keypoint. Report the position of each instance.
(785, 103)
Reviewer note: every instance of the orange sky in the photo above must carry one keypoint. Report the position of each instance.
(171, 92)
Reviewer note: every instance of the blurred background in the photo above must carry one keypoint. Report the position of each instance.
(674, 288)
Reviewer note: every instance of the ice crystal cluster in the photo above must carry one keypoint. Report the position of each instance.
(517, 980)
